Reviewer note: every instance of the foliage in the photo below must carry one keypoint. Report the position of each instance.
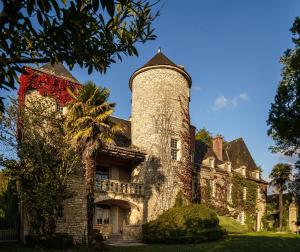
(185, 224)
(46, 85)
(185, 171)
(231, 225)
(39, 31)
(8, 199)
(280, 176)
(53, 241)
(284, 115)
(204, 136)
(238, 202)
(88, 127)
(45, 162)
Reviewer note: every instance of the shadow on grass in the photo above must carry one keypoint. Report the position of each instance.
(243, 243)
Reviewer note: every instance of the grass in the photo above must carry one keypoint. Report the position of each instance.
(258, 242)
(231, 225)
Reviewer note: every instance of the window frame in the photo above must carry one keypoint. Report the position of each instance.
(175, 149)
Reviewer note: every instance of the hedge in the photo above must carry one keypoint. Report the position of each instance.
(185, 224)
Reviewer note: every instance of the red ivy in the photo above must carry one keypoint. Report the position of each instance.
(46, 85)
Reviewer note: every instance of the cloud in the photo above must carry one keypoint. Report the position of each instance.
(196, 87)
(223, 102)
(287, 159)
(220, 102)
(244, 96)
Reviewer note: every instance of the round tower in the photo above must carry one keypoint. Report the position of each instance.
(159, 125)
(160, 93)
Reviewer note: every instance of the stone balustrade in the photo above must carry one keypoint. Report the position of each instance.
(117, 186)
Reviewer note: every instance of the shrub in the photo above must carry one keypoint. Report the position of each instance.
(54, 241)
(185, 224)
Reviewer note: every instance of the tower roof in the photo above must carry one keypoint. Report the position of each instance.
(58, 70)
(161, 61)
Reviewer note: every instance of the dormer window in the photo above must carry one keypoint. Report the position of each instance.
(175, 149)
(257, 174)
(243, 171)
(228, 166)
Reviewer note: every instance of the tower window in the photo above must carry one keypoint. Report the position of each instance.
(174, 149)
(59, 108)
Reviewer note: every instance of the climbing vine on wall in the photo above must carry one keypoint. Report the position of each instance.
(185, 168)
(238, 203)
(46, 85)
(247, 205)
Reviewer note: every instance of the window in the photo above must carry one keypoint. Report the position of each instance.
(174, 149)
(59, 108)
(213, 189)
(60, 212)
(102, 216)
(102, 177)
(245, 193)
(241, 218)
(229, 192)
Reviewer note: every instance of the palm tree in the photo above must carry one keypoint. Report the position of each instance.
(88, 127)
(280, 176)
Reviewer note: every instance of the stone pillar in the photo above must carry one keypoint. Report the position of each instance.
(293, 216)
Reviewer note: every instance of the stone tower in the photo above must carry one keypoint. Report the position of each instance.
(160, 101)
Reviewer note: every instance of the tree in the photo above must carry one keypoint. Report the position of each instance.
(280, 176)
(284, 115)
(42, 165)
(73, 32)
(204, 136)
(88, 127)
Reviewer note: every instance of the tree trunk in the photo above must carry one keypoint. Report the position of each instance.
(280, 209)
(90, 187)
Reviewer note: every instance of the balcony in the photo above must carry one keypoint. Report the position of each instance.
(116, 186)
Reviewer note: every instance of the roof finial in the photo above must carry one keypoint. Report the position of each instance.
(159, 49)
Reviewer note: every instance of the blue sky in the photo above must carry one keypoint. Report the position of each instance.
(231, 49)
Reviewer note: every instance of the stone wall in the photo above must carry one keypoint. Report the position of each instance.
(158, 96)
(74, 220)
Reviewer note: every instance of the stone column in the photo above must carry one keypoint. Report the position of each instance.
(293, 216)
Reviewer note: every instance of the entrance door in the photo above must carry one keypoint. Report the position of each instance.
(115, 219)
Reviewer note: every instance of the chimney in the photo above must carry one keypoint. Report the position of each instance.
(218, 146)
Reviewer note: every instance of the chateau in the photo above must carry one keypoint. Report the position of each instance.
(154, 159)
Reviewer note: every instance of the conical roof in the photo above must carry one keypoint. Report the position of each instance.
(58, 70)
(159, 59)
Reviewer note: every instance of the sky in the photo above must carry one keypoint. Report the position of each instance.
(231, 49)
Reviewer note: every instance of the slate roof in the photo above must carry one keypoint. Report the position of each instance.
(122, 139)
(238, 154)
(58, 70)
(235, 152)
(203, 151)
(159, 59)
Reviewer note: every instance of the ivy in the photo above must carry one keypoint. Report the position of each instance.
(238, 203)
(46, 85)
(249, 205)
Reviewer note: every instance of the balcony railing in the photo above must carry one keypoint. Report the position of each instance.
(116, 186)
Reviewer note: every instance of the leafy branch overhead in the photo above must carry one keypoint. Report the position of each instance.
(284, 115)
(91, 33)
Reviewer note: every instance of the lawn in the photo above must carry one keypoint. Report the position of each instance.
(262, 241)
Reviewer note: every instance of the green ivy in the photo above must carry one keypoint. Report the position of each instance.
(248, 205)
(238, 203)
